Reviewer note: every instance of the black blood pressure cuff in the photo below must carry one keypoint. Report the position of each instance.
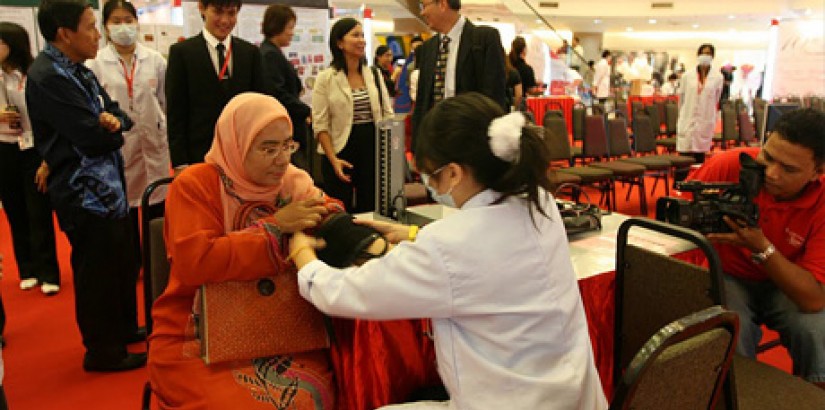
(346, 242)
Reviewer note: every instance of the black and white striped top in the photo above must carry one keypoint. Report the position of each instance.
(362, 112)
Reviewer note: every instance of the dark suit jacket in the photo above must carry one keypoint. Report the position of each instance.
(286, 87)
(195, 97)
(480, 67)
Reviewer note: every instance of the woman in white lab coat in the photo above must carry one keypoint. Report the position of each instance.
(495, 276)
(133, 75)
(601, 77)
(699, 98)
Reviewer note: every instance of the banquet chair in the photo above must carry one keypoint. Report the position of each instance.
(653, 289)
(155, 268)
(683, 366)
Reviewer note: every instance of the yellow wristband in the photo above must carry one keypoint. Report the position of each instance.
(413, 232)
(297, 251)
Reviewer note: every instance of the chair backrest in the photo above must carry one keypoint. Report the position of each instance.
(555, 137)
(683, 366)
(643, 137)
(759, 119)
(671, 117)
(653, 289)
(729, 131)
(531, 118)
(618, 141)
(154, 252)
(636, 106)
(553, 113)
(655, 119)
(595, 137)
(746, 131)
(579, 112)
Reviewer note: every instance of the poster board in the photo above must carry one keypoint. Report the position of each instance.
(800, 59)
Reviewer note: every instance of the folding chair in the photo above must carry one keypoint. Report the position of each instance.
(683, 366)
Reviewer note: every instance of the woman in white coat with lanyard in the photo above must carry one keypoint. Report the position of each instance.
(495, 277)
(699, 98)
(348, 101)
(133, 75)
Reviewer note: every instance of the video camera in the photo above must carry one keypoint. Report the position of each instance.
(711, 201)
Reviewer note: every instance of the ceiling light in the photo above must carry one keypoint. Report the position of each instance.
(538, 21)
(597, 21)
(695, 26)
(651, 21)
(732, 30)
(808, 12)
(731, 17)
(629, 29)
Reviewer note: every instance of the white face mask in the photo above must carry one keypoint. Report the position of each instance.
(445, 199)
(705, 59)
(123, 34)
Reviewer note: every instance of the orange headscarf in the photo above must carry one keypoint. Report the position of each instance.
(240, 122)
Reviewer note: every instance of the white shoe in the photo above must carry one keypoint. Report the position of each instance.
(27, 284)
(49, 289)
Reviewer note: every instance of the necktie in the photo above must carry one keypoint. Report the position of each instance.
(222, 59)
(441, 69)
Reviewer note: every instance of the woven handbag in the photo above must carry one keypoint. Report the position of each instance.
(243, 320)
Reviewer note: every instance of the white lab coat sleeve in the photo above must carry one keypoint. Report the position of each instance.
(161, 91)
(409, 282)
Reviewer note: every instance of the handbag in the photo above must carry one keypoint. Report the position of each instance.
(578, 217)
(242, 320)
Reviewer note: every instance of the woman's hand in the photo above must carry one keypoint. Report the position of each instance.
(392, 232)
(300, 215)
(9, 117)
(338, 165)
(41, 176)
(302, 248)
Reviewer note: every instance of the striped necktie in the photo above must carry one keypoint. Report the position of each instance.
(441, 69)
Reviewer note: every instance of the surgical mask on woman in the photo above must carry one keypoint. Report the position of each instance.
(123, 34)
(445, 199)
(705, 59)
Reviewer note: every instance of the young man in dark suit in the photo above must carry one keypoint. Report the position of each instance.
(463, 57)
(278, 27)
(204, 73)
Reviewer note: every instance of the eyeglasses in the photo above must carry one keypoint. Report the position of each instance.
(422, 5)
(270, 152)
(425, 178)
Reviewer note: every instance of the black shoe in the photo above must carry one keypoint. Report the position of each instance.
(138, 336)
(131, 361)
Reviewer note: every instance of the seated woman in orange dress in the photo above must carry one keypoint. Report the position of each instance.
(224, 221)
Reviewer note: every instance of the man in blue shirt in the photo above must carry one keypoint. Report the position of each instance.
(77, 129)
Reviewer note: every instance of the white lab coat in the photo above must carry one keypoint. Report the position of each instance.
(698, 113)
(509, 325)
(601, 78)
(145, 148)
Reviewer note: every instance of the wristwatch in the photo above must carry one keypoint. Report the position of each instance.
(760, 258)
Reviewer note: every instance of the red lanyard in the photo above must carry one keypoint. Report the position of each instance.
(225, 63)
(130, 78)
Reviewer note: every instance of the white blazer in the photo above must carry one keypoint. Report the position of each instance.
(332, 105)
(145, 148)
(509, 324)
(698, 113)
(601, 78)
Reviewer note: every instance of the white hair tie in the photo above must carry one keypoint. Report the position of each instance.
(505, 135)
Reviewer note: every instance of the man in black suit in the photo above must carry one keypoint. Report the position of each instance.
(204, 73)
(278, 28)
(474, 59)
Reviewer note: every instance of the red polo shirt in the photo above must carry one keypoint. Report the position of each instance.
(796, 228)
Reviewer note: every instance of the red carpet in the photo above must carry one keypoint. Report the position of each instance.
(43, 356)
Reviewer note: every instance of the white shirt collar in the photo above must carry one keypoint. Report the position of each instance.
(213, 41)
(455, 33)
(483, 198)
(110, 52)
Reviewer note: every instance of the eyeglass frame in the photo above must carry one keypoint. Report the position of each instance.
(291, 146)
